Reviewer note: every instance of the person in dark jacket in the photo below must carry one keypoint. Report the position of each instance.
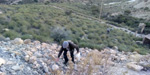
(68, 46)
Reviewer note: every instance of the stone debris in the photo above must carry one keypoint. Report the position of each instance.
(134, 66)
(18, 41)
(27, 41)
(24, 57)
(2, 61)
(16, 67)
(55, 67)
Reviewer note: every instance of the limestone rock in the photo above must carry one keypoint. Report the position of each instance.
(16, 68)
(26, 58)
(37, 42)
(33, 49)
(44, 45)
(135, 57)
(1, 73)
(133, 66)
(115, 47)
(112, 51)
(29, 53)
(32, 59)
(18, 41)
(10, 62)
(123, 58)
(2, 61)
(55, 67)
(38, 54)
(27, 41)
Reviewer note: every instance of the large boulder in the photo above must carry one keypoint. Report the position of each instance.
(115, 47)
(18, 41)
(27, 41)
(2, 61)
(135, 57)
(134, 66)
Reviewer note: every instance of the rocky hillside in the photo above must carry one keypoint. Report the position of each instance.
(26, 57)
(142, 9)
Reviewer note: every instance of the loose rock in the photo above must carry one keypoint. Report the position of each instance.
(133, 66)
(18, 41)
(27, 41)
(2, 61)
(55, 67)
(16, 68)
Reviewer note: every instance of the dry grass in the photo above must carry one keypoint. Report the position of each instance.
(96, 58)
(57, 72)
(90, 70)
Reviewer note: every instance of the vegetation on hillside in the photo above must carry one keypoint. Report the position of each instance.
(122, 20)
(130, 22)
(49, 24)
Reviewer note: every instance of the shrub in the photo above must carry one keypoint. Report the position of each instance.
(146, 8)
(95, 10)
(59, 34)
(68, 12)
(127, 12)
(27, 36)
(47, 2)
(11, 34)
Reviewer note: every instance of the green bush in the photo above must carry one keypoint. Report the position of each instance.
(146, 8)
(68, 12)
(95, 10)
(59, 34)
(127, 12)
(11, 34)
(26, 36)
(49, 24)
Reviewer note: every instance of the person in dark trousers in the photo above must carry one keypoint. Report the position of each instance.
(108, 30)
(68, 46)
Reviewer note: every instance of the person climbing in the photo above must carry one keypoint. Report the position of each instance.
(108, 30)
(68, 46)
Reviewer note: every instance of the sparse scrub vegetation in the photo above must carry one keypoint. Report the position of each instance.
(96, 58)
(60, 34)
(130, 22)
(42, 26)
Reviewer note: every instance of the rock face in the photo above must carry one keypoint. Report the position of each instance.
(24, 57)
(2, 61)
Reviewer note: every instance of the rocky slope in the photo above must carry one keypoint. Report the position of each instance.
(142, 9)
(26, 57)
